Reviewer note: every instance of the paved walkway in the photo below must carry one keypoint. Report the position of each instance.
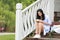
(6, 33)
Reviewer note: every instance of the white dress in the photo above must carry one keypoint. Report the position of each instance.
(46, 27)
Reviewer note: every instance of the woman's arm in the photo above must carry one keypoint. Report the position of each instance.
(37, 20)
(41, 21)
(46, 23)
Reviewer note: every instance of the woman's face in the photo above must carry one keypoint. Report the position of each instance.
(39, 13)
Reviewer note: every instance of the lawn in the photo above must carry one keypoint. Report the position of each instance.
(7, 37)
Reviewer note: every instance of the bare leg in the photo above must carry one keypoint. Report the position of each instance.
(40, 28)
(37, 28)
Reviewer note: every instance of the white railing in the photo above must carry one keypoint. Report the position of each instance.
(25, 18)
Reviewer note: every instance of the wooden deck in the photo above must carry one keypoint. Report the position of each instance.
(43, 39)
(53, 36)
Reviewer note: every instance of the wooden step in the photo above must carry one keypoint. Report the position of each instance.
(55, 35)
(56, 23)
(42, 39)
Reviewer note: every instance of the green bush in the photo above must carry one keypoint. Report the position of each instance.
(7, 12)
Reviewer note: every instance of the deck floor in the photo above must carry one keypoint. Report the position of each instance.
(43, 38)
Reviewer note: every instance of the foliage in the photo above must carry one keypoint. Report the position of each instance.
(7, 12)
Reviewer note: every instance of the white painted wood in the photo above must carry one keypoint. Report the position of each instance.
(26, 16)
(57, 5)
(19, 26)
(50, 9)
(37, 0)
(30, 5)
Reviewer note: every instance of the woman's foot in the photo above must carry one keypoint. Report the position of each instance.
(37, 36)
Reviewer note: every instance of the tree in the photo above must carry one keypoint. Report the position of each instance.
(7, 12)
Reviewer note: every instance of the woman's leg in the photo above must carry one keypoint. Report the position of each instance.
(41, 28)
(37, 28)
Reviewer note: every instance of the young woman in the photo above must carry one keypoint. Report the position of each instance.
(42, 23)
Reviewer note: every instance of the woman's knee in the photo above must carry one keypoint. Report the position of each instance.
(40, 24)
(37, 24)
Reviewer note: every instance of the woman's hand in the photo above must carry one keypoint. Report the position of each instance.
(39, 21)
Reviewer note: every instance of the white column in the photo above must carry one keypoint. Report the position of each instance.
(37, 0)
(19, 25)
(50, 9)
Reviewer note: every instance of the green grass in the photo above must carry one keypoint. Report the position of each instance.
(7, 37)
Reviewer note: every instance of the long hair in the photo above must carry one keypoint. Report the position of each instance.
(39, 17)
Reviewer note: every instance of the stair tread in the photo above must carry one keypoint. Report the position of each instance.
(30, 38)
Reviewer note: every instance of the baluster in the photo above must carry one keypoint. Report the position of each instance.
(19, 26)
(28, 20)
(25, 23)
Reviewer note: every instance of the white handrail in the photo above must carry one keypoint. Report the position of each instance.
(25, 18)
(31, 5)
